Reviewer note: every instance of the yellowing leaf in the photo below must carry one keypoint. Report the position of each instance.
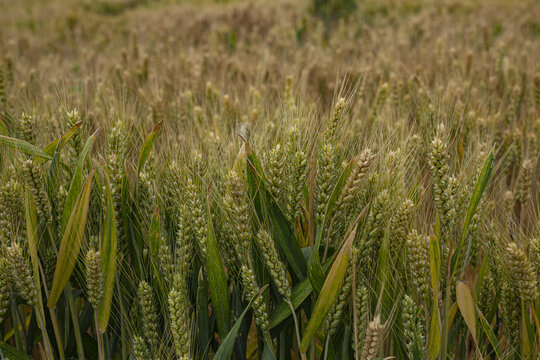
(465, 303)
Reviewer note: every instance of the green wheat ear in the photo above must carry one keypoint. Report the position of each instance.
(140, 349)
(11, 210)
(94, 277)
(180, 318)
(28, 128)
(362, 315)
(523, 189)
(273, 264)
(34, 181)
(239, 213)
(297, 160)
(400, 226)
(149, 314)
(347, 202)
(325, 179)
(22, 275)
(197, 215)
(5, 286)
(522, 273)
(418, 262)
(75, 144)
(252, 292)
(164, 260)
(414, 328)
(115, 159)
(511, 309)
(334, 123)
(396, 158)
(275, 162)
(184, 245)
(373, 339)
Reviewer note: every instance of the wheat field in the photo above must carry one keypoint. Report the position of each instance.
(313, 179)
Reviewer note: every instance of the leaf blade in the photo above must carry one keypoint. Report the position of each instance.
(71, 243)
(466, 306)
(76, 181)
(225, 349)
(62, 140)
(434, 333)
(33, 240)
(329, 292)
(24, 147)
(108, 248)
(478, 191)
(489, 333)
(147, 146)
(217, 280)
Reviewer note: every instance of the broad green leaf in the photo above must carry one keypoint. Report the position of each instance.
(473, 204)
(298, 295)
(316, 271)
(314, 268)
(265, 205)
(203, 326)
(147, 146)
(346, 342)
(62, 140)
(466, 306)
(33, 239)
(108, 247)
(434, 332)
(9, 352)
(329, 292)
(71, 242)
(24, 147)
(452, 313)
(489, 333)
(225, 349)
(435, 270)
(435, 264)
(76, 181)
(267, 353)
(217, 280)
(535, 322)
(316, 274)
